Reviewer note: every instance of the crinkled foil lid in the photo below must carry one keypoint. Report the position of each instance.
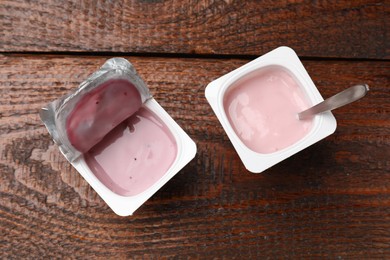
(60, 116)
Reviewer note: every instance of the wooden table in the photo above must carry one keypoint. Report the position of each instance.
(331, 200)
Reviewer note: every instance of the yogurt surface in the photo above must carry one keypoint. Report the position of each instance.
(134, 155)
(262, 106)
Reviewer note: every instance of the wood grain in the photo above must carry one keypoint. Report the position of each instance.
(344, 29)
(331, 200)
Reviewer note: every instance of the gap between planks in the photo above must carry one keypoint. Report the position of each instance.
(181, 55)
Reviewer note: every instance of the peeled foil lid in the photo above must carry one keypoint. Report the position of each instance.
(55, 114)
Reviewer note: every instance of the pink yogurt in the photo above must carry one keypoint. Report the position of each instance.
(134, 155)
(262, 108)
(127, 147)
(99, 111)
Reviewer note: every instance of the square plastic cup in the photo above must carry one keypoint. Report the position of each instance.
(132, 161)
(126, 205)
(282, 58)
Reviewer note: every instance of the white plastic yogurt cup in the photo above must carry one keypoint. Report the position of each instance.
(246, 125)
(126, 205)
(116, 135)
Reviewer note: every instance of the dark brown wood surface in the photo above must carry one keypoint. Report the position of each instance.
(357, 29)
(329, 201)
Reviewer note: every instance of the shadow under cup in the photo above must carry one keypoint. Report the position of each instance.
(262, 106)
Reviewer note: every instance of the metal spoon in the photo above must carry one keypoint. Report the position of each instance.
(341, 99)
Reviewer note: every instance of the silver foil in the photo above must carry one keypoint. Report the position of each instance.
(54, 115)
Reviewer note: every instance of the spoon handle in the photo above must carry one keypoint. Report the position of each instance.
(340, 99)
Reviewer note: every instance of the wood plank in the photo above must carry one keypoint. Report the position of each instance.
(331, 200)
(344, 29)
